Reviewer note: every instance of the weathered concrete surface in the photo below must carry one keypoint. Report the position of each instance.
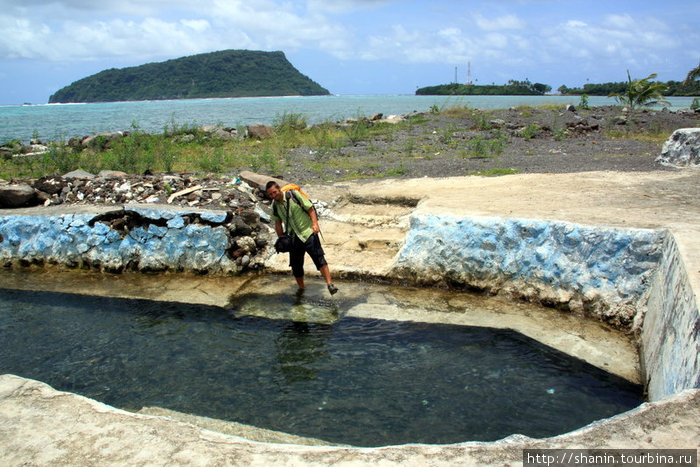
(42, 426)
(74, 431)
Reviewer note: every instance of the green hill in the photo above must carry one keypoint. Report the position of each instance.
(228, 73)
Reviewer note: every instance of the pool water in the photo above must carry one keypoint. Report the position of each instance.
(364, 382)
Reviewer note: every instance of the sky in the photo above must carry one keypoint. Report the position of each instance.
(354, 47)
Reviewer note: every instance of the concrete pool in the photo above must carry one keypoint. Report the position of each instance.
(668, 333)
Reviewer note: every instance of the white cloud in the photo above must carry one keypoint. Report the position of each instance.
(500, 23)
(198, 25)
(439, 33)
(345, 6)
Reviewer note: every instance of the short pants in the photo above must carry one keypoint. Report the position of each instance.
(313, 247)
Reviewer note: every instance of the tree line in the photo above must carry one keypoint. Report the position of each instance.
(689, 87)
(671, 88)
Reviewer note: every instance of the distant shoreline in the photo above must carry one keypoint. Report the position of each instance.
(55, 122)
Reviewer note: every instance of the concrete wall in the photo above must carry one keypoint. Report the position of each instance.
(611, 273)
(165, 240)
(670, 348)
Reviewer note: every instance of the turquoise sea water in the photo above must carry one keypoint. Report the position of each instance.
(57, 122)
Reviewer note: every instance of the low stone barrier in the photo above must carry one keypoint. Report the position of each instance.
(600, 271)
(618, 275)
(139, 238)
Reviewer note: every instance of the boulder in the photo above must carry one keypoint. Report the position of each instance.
(50, 184)
(260, 131)
(112, 174)
(682, 149)
(17, 196)
(78, 174)
(101, 141)
(219, 132)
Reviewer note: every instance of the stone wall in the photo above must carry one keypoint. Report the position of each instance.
(613, 274)
(138, 238)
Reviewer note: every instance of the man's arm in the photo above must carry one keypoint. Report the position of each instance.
(278, 228)
(314, 220)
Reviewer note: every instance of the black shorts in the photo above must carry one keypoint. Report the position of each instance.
(313, 247)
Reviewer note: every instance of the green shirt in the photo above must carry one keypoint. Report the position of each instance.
(299, 220)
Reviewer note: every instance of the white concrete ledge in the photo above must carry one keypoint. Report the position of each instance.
(42, 426)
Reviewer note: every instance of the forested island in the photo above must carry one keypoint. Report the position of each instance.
(512, 88)
(526, 88)
(228, 73)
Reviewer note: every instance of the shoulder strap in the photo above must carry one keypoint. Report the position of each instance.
(274, 209)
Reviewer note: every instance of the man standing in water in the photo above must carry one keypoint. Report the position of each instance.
(301, 222)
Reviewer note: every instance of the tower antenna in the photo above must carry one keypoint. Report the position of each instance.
(469, 73)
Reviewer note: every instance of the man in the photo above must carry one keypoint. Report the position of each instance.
(302, 226)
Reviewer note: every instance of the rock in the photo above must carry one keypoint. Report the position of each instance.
(112, 174)
(50, 185)
(219, 132)
(260, 131)
(570, 108)
(392, 119)
(17, 196)
(682, 149)
(79, 174)
(246, 244)
(101, 140)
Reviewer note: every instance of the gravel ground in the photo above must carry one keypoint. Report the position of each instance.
(518, 140)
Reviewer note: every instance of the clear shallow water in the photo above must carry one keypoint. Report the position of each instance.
(357, 381)
(64, 121)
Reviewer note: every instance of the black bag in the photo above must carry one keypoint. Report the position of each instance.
(283, 244)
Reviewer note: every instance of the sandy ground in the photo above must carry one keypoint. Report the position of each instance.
(371, 218)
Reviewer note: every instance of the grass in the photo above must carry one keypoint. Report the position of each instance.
(496, 172)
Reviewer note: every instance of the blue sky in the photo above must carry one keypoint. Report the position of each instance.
(353, 47)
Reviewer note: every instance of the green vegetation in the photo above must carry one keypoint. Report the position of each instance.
(352, 149)
(495, 172)
(512, 88)
(693, 75)
(671, 88)
(228, 73)
(641, 92)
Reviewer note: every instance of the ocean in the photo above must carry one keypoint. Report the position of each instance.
(60, 122)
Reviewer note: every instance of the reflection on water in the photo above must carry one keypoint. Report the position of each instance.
(366, 382)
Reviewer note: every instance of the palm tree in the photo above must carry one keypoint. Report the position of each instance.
(641, 92)
(693, 74)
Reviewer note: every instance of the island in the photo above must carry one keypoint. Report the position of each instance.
(227, 73)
